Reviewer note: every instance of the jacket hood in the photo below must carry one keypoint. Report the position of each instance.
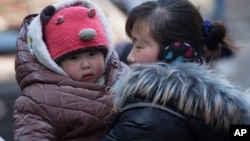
(190, 88)
(60, 102)
(38, 47)
(30, 71)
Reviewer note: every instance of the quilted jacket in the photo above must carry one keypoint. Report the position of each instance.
(53, 107)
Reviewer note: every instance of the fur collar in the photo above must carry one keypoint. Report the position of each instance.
(195, 90)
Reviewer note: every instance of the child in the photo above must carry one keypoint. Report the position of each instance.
(65, 71)
(174, 100)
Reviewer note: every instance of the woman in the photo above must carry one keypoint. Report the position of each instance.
(179, 101)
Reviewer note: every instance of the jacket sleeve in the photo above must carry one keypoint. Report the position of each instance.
(29, 125)
(148, 124)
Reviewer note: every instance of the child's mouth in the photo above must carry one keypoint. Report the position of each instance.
(87, 77)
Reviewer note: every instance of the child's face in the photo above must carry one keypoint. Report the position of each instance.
(145, 48)
(85, 67)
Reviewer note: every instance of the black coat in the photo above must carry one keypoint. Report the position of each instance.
(145, 122)
(159, 102)
(149, 124)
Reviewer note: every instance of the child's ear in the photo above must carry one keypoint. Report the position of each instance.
(47, 13)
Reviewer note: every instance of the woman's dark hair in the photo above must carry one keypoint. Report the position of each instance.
(179, 20)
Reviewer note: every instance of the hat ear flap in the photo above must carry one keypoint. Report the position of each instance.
(47, 13)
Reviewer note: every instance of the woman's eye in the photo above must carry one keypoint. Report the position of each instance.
(138, 47)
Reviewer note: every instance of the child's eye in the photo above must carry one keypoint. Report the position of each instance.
(74, 57)
(92, 53)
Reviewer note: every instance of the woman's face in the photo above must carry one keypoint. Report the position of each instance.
(145, 49)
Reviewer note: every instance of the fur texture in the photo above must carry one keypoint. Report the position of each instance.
(194, 90)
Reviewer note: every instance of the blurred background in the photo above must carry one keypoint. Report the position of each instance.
(235, 15)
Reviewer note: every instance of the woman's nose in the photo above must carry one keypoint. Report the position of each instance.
(131, 58)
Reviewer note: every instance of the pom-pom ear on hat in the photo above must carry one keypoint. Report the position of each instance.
(47, 13)
(71, 29)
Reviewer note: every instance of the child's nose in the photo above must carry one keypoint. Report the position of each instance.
(85, 63)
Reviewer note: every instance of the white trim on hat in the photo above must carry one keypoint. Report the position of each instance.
(38, 47)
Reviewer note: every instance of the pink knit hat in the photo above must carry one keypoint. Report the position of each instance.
(72, 30)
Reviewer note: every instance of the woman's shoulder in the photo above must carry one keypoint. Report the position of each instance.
(149, 111)
(141, 119)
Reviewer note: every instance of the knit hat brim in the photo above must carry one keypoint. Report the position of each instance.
(102, 49)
